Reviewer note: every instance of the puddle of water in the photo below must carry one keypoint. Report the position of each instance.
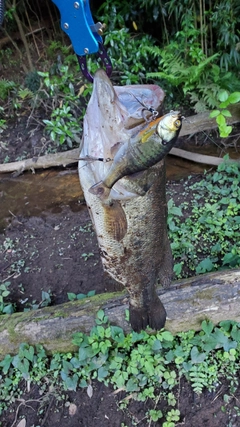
(31, 194)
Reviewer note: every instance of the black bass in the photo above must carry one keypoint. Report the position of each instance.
(142, 151)
(132, 229)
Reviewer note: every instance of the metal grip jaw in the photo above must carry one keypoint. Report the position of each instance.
(78, 24)
(102, 53)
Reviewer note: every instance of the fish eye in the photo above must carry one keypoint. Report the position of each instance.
(177, 123)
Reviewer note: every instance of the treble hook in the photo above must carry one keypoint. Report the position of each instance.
(155, 113)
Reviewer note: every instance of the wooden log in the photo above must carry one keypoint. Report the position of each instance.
(191, 125)
(213, 296)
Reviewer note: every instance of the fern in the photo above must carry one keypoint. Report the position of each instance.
(177, 73)
(5, 87)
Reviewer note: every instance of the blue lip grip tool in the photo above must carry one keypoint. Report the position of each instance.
(78, 24)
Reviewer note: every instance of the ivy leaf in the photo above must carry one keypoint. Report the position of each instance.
(207, 327)
(196, 356)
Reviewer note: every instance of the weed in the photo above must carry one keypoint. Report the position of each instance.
(86, 256)
(5, 307)
(144, 365)
(206, 239)
(63, 126)
(73, 297)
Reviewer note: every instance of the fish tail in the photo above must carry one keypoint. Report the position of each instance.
(100, 190)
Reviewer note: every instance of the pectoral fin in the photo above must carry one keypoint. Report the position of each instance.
(115, 221)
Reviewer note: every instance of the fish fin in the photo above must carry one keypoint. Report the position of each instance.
(115, 220)
(154, 316)
(148, 130)
(100, 190)
(115, 148)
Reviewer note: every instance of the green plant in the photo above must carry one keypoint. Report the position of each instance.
(3, 125)
(5, 307)
(5, 88)
(86, 256)
(63, 127)
(32, 81)
(73, 297)
(220, 114)
(204, 231)
(45, 302)
(144, 365)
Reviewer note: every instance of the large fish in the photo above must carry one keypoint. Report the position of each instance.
(131, 228)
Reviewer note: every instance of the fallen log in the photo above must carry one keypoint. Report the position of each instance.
(213, 296)
(191, 125)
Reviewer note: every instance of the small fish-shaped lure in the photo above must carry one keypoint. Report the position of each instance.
(142, 151)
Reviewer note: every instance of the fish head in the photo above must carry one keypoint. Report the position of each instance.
(169, 126)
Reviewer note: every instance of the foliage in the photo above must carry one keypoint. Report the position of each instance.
(5, 307)
(129, 57)
(63, 126)
(73, 297)
(144, 365)
(202, 82)
(206, 240)
(32, 81)
(5, 88)
(220, 115)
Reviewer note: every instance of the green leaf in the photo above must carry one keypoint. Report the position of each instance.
(226, 113)
(81, 296)
(207, 327)
(156, 345)
(225, 131)
(234, 98)
(132, 385)
(214, 113)
(102, 373)
(177, 268)
(167, 336)
(221, 120)
(223, 95)
(71, 296)
(205, 266)
(196, 356)
(91, 293)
